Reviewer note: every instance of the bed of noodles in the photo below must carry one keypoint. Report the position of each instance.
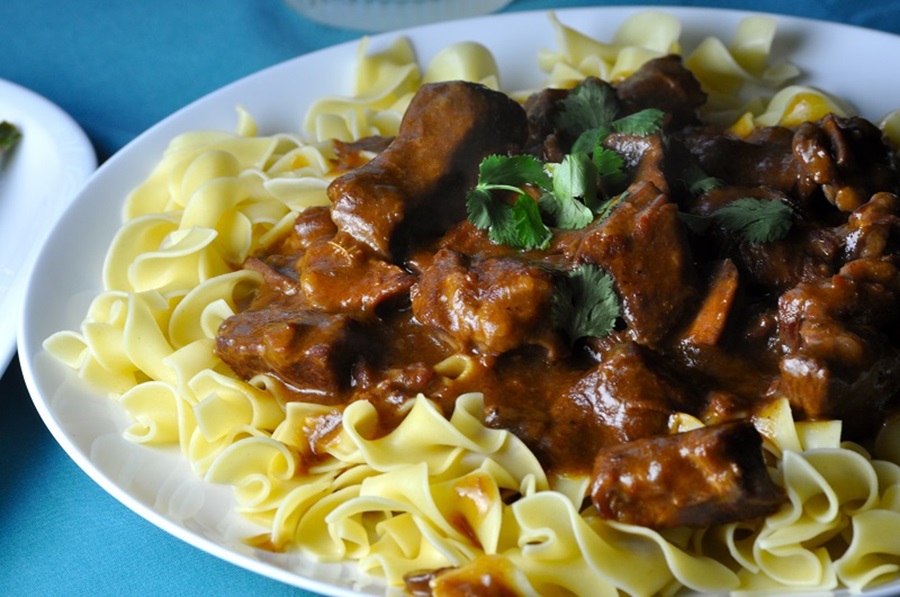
(394, 504)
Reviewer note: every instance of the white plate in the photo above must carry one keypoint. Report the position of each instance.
(157, 484)
(38, 179)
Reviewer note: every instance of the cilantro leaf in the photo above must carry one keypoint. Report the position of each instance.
(530, 230)
(482, 209)
(574, 192)
(698, 182)
(576, 176)
(756, 220)
(518, 224)
(643, 123)
(590, 105)
(569, 214)
(503, 171)
(610, 167)
(586, 303)
(589, 140)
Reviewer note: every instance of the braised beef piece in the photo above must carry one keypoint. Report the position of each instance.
(642, 244)
(353, 154)
(489, 306)
(841, 358)
(542, 109)
(625, 397)
(845, 157)
(709, 323)
(310, 351)
(764, 159)
(644, 157)
(664, 84)
(417, 185)
(712, 475)
(341, 275)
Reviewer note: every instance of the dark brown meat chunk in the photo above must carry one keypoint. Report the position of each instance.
(810, 250)
(708, 325)
(623, 398)
(542, 109)
(309, 351)
(665, 84)
(644, 158)
(418, 183)
(643, 246)
(491, 305)
(765, 158)
(847, 158)
(839, 335)
(872, 229)
(708, 476)
(340, 275)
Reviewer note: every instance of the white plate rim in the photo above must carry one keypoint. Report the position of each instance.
(49, 385)
(40, 120)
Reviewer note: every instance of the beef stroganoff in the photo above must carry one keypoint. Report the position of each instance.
(416, 378)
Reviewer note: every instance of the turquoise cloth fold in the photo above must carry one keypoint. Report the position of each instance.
(118, 68)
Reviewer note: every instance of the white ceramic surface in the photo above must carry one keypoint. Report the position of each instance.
(155, 483)
(39, 176)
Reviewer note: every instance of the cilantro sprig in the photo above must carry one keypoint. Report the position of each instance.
(569, 192)
(752, 220)
(586, 304)
(756, 220)
(517, 223)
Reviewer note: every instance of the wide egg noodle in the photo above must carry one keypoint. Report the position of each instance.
(437, 491)
(822, 537)
(386, 82)
(643, 36)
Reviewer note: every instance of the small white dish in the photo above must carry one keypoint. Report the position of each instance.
(39, 177)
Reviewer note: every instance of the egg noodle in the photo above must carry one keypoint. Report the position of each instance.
(395, 504)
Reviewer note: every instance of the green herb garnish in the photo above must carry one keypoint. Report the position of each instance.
(518, 223)
(573, 192)
(699, 182)
(568, 192)
(9, 136)
(753, 220)
(586, 304)
(756, 220)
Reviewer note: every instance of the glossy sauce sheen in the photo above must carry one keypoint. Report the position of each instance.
(367, 299)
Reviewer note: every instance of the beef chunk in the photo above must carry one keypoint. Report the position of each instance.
(713, 475)
(644, 157)
(765, 158)
(841, 360)
(625, 397)
(542, 109)
(310, 352)
(846, 158)
(340, 275)
(872, 228)
(708, 325)
(665, 84)
(418, 183)
(490, 305)
(643, 246)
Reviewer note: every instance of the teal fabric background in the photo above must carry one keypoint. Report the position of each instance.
(118, 68)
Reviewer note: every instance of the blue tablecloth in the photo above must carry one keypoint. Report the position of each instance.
(117, 68)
